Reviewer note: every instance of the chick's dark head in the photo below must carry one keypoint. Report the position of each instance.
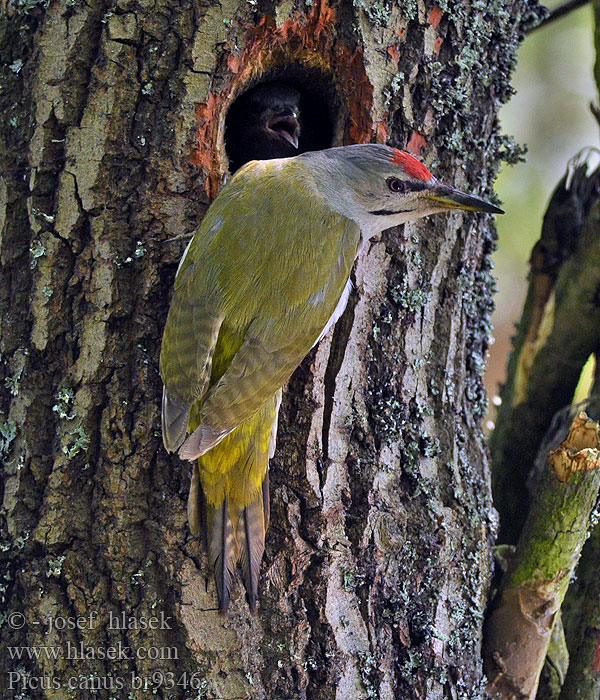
(264, 123)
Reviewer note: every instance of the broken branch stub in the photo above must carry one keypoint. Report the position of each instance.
(579, 451)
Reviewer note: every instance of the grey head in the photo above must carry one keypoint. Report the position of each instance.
(379, 186)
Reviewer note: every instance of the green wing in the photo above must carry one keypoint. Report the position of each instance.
(190, 334)
(255, 374)
(258, 285)
(186, 359)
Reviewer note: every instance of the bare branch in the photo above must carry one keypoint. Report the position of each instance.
(559, 12)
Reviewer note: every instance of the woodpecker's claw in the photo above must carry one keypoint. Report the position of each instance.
(449, 198)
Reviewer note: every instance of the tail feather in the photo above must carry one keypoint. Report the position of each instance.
(222, 549)
(193, 504)
(234, 479)
(250, 533)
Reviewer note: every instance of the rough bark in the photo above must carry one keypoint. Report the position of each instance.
(378, 555)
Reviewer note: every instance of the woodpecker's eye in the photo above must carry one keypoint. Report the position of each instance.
(396, 185)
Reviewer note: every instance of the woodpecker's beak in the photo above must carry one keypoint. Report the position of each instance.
(448, 198)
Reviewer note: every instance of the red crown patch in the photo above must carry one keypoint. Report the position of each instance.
(411, 165)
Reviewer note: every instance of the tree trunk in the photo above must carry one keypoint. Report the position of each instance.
(378, 559)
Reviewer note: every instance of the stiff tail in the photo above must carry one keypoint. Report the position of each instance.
(222, 549)
(236, 534)
(251, 531)
(235, 483)
(194, 502)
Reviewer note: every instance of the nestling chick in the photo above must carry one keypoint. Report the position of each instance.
(264, 123)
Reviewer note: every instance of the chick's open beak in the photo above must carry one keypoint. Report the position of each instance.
(286, 126)
(448, 198)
